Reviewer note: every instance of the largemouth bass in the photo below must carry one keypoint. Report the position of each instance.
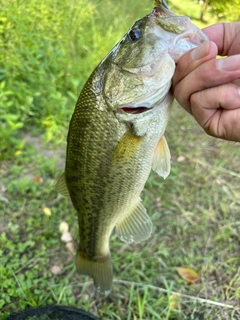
(116, 135)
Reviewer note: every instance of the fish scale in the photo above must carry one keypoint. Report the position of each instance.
(116, 135)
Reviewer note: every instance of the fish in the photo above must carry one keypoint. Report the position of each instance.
(116, 136)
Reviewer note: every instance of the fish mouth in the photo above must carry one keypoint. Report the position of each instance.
(187, 35)
(186, 41)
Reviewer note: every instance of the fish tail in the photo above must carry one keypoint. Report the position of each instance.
(100, 269)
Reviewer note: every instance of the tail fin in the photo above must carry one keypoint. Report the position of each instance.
(99, 269)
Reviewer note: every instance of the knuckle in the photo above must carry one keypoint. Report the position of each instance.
(196, 100)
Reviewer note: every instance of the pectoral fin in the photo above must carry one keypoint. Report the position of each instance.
(161, 161)
(61, 186)
(136, 226)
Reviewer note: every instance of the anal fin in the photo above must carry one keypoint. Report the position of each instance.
(136, 226)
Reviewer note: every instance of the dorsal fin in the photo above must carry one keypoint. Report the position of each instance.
(61, 186)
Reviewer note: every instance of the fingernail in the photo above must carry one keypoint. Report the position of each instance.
(200, 51)
(229, 64)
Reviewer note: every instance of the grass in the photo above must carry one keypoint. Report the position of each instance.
(195, 212)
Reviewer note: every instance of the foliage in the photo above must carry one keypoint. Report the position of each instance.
(45, 59)
(223, 9)
(195, 214)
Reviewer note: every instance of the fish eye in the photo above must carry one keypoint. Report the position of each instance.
(135, 34)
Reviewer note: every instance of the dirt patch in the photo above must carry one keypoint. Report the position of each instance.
(46, 151)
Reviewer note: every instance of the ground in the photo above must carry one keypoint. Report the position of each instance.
(195, 213)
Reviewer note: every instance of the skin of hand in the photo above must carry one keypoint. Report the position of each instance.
(208, 87)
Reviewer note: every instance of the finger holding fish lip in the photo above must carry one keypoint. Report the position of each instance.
(187, 69)
(205, 72)
(192, 59)
(226, 36)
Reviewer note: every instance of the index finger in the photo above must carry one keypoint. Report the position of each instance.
(216, 34)
(226, 36)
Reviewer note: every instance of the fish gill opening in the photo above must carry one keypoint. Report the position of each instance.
(134, 110)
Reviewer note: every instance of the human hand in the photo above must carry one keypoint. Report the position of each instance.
(209, 88)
